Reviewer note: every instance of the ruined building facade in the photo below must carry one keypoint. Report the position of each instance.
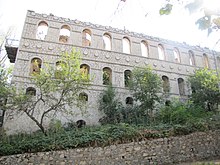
(105, 50)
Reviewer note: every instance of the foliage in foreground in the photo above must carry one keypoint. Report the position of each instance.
(145, 86)
(209, 19)
(178, 120)
(205, 89)
(57, 88)
(63, 139)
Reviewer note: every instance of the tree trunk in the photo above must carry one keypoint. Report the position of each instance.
(40, 125)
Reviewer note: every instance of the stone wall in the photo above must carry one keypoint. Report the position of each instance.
(196, 146)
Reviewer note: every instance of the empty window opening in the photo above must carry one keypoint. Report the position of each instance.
(181, 86)
(166, 84)
(144, 49)
(84, 69)
(36, 66)
(161, 52)
(205, 61)
(80, 123)
(127, 77)
(176, 55)
(64, 34)
(107, 76)
(191, 58)
(168, 103)
(31, 91)
(83, 97)
(107, 41)
(86, 37)
(59, 69)
(193, 90)
(126, 45)
(129, 101)
(42, 30)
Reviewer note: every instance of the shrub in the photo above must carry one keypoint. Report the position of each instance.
(110, 105)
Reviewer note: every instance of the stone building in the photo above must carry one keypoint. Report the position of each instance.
(105, 50)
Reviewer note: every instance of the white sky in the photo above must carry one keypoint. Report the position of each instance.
(135, 15)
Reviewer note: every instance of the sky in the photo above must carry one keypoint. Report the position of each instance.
(140, 16)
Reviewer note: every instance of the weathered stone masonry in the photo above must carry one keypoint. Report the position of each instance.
(196, 146)
(104, 49)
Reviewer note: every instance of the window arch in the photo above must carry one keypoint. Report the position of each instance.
(83, 97)
(205, 60)
(36, 64)
(176, 53)
(191, 58)
(129, 101)
(127, 77)
(107, 40)
(161, 52)
(86, 37)
(31, 91)
(107, 76)
(166, 84)
(59, 68)
(126, 45)
(144, 49)
(84, 69)
(80, 123)
(42, 30)
(181, 86)
(64, 33)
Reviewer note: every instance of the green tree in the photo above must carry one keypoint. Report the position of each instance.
(6, 90)
(205, 88)
(54, 95)
(110, 105)
(146, 86)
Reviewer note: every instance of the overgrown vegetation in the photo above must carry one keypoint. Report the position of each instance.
(148, 117)
(54, 90)
(205, 89)
(145, 87)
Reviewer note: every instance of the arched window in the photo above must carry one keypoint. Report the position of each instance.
(176, 55)
(36, 64)
(181, 86)
(80, 123)
(84, 69)
(192, 58)
(205, 61)
(83, 97)
(126, 45)
(129, 101)
(166, 84)
(86, 37)
(107, 41)
(127, 77)
(42, 30)
(107, 76)
(144, 49)
(31, 91)
(161, 52)
(59, 69)
(64, 33)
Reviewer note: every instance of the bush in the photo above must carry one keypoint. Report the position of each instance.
(84, 137)
(111, 107)
(182, 114)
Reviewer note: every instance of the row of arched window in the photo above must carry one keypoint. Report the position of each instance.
(106, 75)
(64, 36)
(82, 96)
